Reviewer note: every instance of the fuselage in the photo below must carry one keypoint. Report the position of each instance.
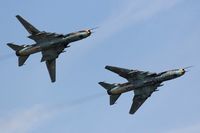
(147, 81)
(61, 41)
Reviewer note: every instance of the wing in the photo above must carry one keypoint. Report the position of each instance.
(50, 57)
(49, 54)
(137, 102)
(140, 97)
(37, 35)
(51, 66)
(120, 71)
(129, 74)
(30, 28)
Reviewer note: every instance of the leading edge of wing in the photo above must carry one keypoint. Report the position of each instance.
(120, 71)
(30, 28)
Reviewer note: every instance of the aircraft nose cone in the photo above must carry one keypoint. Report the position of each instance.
(182, 71)
(89, 32)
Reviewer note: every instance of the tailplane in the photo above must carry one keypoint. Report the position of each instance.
(107, 86)
(15, 47)
(113, 98)
(21, 59)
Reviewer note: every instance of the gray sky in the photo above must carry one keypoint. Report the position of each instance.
(154, 35)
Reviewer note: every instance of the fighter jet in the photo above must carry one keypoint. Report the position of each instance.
(50, 44)
(143, 83)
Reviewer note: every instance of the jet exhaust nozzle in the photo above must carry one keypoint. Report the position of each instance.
(108, 92)
(17, 53)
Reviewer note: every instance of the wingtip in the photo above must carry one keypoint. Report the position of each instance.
(17, 16)
(100, 83)
(53, 81)
(131, 112)
(108, 67)
(111, 68)
(112, 104)
(8, 44)
(19, 65)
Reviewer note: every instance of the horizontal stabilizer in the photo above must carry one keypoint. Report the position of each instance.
(107, 86)
(15, 47)
(30, 28)
(22, 60)
(113, 98)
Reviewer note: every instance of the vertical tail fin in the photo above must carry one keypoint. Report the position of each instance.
(21, 59)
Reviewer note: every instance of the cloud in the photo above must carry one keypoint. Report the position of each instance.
(132, 13)
(24, 120)
(6, 56)
(27, 119)
(189, 129)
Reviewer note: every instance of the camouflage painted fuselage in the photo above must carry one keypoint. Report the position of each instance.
(60, 41)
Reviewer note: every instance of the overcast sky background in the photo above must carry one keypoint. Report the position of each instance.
(154, 35)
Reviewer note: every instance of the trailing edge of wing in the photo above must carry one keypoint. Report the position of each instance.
(51, 66)
(141, 96)
(30, 28)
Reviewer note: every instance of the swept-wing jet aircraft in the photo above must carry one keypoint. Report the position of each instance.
(141, 82)
(50, 44)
